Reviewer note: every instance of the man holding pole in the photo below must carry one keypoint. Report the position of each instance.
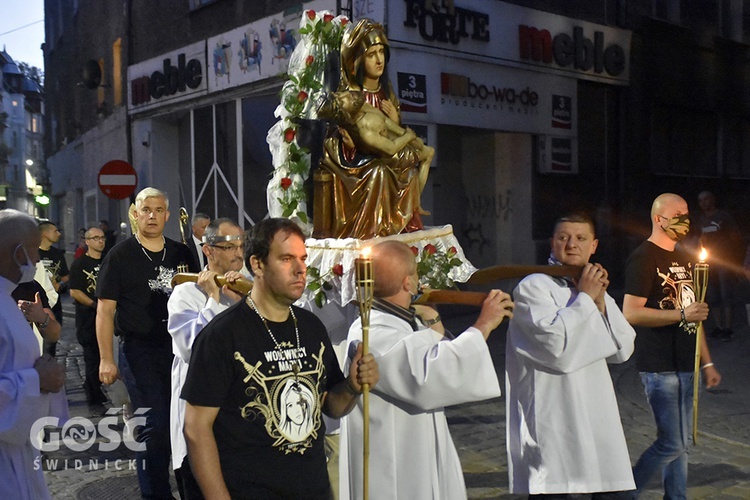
(660, 300)
(260, 375)
(421, 371)
(562, 412)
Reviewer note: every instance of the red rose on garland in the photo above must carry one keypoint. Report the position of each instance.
(338, 269)
(415, 250)
(289, 134)
(431, 249)
(311, 15)
(285, 183)
(328, 18)
(302, 96)
(309, 60)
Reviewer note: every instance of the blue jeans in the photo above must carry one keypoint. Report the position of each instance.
(146, 370)
(670, 395)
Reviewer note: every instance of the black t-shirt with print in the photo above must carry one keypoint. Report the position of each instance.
(141, 282)
(83, 273)
(665, 279)
(54, 262)
(269, 429)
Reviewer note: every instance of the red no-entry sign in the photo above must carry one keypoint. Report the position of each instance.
(117, 179)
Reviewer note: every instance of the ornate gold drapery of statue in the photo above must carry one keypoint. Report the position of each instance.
(363, 191)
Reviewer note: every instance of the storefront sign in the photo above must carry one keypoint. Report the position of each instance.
(258, 50)
(510, 35)
(442, 25)
(172, 77)
(474, 94)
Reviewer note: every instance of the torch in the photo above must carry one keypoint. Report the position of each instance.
(365, 284)
(700, 281)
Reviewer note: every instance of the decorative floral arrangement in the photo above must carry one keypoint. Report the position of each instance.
(321, 33)
(321, 283)
(434, 266)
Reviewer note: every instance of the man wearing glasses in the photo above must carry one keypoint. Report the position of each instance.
(83, 274)
(191, 306)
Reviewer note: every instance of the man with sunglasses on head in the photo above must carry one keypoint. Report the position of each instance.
(191, 306)
(660, 302)
(83, 274)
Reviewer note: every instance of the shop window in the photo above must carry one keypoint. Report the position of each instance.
(668, 10)
(257, 119)
(683, 142)
(197, 4)
(736, 148)
(215, 153)
(100, 91)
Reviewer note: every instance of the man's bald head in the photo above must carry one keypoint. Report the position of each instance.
(667, 202)
(16, 227)
(19, 243)
(392, 262)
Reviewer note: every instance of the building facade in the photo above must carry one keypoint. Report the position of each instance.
(535, 108)
(23, 174)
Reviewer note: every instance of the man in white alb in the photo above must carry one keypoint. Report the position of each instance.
(421, 371)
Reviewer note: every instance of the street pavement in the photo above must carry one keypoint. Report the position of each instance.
(719, 465)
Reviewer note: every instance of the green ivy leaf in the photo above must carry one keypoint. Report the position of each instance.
(302, 216)
(320, 300)
(327, 286)
(314, 285)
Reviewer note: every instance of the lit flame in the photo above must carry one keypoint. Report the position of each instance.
(366, 252)
(703, 255)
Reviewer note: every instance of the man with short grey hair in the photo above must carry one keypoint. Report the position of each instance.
(135, 281)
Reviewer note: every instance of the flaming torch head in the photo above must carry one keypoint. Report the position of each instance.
(700, 276)
(365, 284)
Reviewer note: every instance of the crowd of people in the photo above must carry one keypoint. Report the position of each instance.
(234, 386)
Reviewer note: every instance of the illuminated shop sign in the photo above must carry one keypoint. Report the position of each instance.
(578, 51)
(445, 26)
(504, 34)
(171, 77)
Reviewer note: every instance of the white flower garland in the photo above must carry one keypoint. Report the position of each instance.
(321, 34)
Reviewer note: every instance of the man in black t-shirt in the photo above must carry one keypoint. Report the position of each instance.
(132, 289)
(109, 234)
(261, 373)
(660, 300)
(54, 262)
(83, 274)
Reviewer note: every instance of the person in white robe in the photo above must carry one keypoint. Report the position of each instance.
(412, 456)
(191, 307)
(30, 385)
(564, 434)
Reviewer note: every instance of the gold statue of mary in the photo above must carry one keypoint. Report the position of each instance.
(362, 192)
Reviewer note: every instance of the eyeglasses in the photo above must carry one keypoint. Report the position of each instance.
(229, 248)
(97, 238)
